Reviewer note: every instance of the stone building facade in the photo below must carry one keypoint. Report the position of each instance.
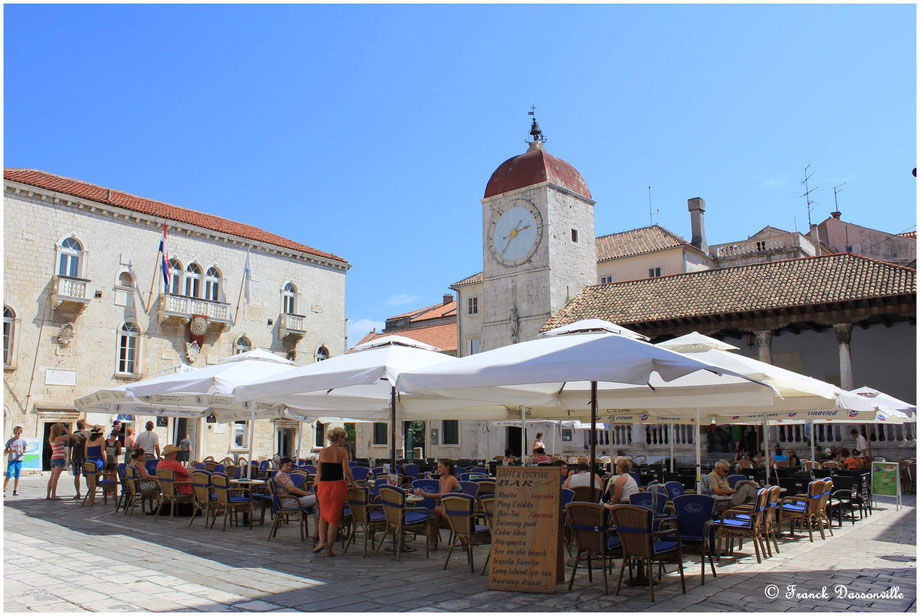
(87, 307)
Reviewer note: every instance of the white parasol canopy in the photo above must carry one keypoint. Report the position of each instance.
(884, 401)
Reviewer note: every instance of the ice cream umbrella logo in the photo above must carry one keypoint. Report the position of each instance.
(643, 417)
(852, 413)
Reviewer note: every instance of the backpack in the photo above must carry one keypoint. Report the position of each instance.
(78, 445)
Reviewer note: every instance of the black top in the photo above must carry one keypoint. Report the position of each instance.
(331, 471)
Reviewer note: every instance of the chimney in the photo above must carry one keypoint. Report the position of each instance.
(697, 207)
(448, 298)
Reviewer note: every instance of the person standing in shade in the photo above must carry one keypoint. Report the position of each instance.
(78, 454)
(16, 450)
(113, 444)
(861, 445)
(149, 441)
(186, 446)
(95, 447)
(538, 443)
(331, 489)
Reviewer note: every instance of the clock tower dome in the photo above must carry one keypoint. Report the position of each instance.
(538, 243)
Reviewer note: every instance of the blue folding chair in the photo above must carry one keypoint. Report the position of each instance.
(674, 489)
(733, 479)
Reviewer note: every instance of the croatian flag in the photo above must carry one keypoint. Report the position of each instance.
(164, 258)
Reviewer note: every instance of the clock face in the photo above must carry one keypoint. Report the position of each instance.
(515, 232)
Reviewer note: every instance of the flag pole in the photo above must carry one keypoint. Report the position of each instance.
(239, 299)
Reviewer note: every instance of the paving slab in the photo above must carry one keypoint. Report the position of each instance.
(166, 565)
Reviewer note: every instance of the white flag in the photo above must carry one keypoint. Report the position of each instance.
(247, 276)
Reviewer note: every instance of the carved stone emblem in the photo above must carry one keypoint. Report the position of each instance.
(66, 336)
(192, 349)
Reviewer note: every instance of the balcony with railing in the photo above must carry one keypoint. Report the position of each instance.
(181, 307)
(293, 325)
(789, 245)
(70, 292)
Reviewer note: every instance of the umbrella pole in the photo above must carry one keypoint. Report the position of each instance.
(523, 434)
(593, 430)
(699, 469)
(766, 449)
(252, 421)
(671, 441)
(812, 448)
(299, 438)
(868, 442)
(393, 428)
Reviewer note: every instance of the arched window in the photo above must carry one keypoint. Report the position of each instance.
(193, 280)
(70, 255)
(242, 345)
(289, 297)
(9, 320)
(175, 277)
(322, 353)
(128, 342)
(212, 284)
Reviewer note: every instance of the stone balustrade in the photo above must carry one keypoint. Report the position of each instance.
(68, 289)
(183, 307)
(766, 245)
(292, 325)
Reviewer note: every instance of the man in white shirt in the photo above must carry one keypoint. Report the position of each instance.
(861, 446)
(149, 442)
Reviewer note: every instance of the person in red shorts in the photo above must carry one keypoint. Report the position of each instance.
(331, 489)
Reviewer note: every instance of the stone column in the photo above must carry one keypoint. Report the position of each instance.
(842, 332)
(764, 350)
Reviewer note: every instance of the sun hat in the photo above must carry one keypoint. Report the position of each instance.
(169, 449)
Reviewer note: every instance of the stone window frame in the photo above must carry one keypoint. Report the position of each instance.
(9, 337)
(472, 305)
(64, 249)
(129, 330)
(194, 276)
(241, 428)
(444, 432)
(290, 297)
(176, 276)
(322, 353)
(386, 434)
(242, 348)
(213, 281)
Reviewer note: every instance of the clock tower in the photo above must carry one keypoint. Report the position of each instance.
(538, 243)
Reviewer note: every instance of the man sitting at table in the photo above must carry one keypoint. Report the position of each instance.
(745, 491)
(539, 456)
(182, 474)
(289, 495)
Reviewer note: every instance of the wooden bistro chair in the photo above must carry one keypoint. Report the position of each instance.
(825, 499)
(167, 480)
(583, 494)
(94, 484)
(744, 522)
(804, 509)
(230, 504)
(365, 516)
(135, 493)
(587, 523)
(461, 509)
(643, 546)
(204, 498)
(401, 518)
(282, 513)
(487, 504)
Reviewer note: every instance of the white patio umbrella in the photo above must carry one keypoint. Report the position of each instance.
(360, 384)
(884, 401)
(537, 371)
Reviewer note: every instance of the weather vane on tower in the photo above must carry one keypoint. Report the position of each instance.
(535, 132)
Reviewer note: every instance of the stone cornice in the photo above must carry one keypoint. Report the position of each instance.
(191, 231)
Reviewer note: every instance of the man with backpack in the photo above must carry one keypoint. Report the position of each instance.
(78, 453)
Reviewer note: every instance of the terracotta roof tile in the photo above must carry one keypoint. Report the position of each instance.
(435, 311)
(763, 286)
(100, 194)
(911, 235)
(442, 336)
(637, 242)
(534, 167)
(474, 279)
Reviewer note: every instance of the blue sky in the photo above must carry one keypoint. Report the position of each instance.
(370, 131)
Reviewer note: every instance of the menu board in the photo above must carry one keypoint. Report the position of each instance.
(525, 529)
(885, 478)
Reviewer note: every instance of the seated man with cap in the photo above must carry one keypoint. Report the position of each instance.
(169, 462)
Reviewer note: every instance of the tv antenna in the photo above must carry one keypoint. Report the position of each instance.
(650, 211)
(809, 203)
(837, 209)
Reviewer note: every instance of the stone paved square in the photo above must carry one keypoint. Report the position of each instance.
(167, 566)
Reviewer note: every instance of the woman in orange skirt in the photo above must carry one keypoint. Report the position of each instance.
(331, 489)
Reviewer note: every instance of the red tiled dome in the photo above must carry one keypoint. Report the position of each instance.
(533, 167)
